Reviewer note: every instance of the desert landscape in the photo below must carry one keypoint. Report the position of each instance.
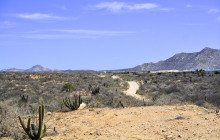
(109, 70)
(115, 105)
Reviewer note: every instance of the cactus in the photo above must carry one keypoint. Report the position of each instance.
(75, 104)
(24, 98)
(31, 129)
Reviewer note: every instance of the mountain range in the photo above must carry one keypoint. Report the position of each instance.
(207, 59)
(36, 68)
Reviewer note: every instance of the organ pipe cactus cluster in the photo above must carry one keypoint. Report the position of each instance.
(73, 105)
(31, 129)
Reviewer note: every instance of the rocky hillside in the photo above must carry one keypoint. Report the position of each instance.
(207, 59)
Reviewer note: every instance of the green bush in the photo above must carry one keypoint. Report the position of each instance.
(68, 87)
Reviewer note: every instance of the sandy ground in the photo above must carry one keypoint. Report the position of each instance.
(138, 123)
(102, 76)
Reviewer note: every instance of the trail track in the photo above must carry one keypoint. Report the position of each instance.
(133, 87)
(132, 90)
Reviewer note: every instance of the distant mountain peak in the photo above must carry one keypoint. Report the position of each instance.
(207, 49)
(38, 68)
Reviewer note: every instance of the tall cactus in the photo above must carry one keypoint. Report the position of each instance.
(31, 129)
(75, 104)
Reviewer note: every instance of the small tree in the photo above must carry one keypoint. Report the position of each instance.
(202, 72)
(68, 87)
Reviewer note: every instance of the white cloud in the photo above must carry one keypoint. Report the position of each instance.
(166, 9)
(56, 36)
(95, 32)
(39, 16)
(68, 34)
(117, 6)
(142, 6)
(214, 10)
(188, 5)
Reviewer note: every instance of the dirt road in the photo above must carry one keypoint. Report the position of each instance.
(133, 87)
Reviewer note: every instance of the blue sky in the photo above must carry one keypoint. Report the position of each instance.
(99, 35)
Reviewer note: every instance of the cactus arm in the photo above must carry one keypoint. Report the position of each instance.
(67, 103)
(27, 130)
(44, 131)
(22, 123)
(80, 99)
(29, 126)
(33, 127)
(40, 123)
(42, 113)
(76, 102)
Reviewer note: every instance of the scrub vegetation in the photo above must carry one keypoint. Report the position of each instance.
(22, 93)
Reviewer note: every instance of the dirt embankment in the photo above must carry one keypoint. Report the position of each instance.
(155, 122)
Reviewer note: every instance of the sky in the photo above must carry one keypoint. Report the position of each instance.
(103, 35)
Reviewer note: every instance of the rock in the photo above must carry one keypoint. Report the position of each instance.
(179, 118)
(98, 133)
(163, 130)
(180, 136)
(91, 109)
(49, 113)
(91, 133)
(169, 137)
(82, 105)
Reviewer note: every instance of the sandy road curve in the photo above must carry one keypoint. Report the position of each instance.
(133, 87)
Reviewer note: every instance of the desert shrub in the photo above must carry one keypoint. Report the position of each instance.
(68, 87)
(95, 90)
(165, 99)
(171, 89)
(1, 75)
(216, 72)
(8, 123)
